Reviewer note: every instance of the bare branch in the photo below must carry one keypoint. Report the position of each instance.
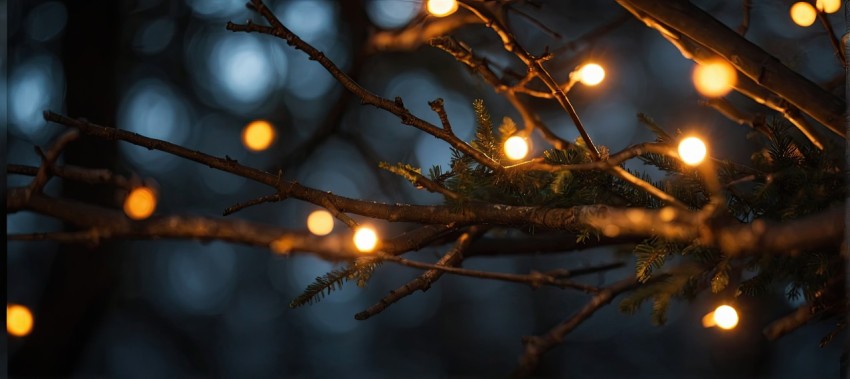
(789, 322)
(535, 279)
(423, 282)
(748, 58)
(536, 346)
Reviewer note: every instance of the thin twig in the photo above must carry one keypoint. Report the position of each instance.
(535, 279)
(49, 157)
(75, 173)
(536, 346)
(833, 40)
(275, 197)
(423, 282)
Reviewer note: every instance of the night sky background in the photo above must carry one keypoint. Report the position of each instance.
(170, 70)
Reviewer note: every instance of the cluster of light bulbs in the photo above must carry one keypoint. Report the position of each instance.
(804, 14)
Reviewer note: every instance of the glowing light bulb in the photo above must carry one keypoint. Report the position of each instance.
(140, 203)
(19, 320)
(803, 14)
(442, 8)
(692, 151)
(725, 317)
(365, 239)
(516, 148)
(591, 74)
(258, 135)
(715, 79)
(320, 223)
(828, 6)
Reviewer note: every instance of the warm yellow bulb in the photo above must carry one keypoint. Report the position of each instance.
(516, 148)
(442, 8)
(828, 6)
(320, 223)
(803, 14)
(692, 151)
(258, 135)
(715, 79)
(365, 239)
(140, 203)
(19, 320)
(725, 317)
(591, 74)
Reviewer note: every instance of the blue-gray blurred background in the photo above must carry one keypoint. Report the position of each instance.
(170, 70)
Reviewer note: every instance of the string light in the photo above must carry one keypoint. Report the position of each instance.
(140, 203)
(591, 74)
(258, 135)
(828, 6)
(19, 320)
(516, 148)
(320, 222)
(715, 79)
(365, 239)
(724, 317)
(692, 151)
(803, 14)
(442, 8)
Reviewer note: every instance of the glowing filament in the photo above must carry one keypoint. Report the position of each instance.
(19, 320)
(591, 74)
(320, 223)
(442, 8)
(516, 148)
(258, 135)
(715, 79)
(803, 14)
(692, 151)
(828, 6)
(140, 203)
(365, 239)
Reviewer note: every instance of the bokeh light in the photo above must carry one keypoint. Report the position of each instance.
(365, 239)
(37, 84)
(258, 135)
(803, 14)
(715, 79)
(516, 148)
(320, 222)
(19, 320)
(441, 8)
(155, 109)
(692, 151)
(828, 6)
(392, 14)
(725, 317)
(140, 203)
(591, 74)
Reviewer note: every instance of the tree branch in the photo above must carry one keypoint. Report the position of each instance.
(747, 57)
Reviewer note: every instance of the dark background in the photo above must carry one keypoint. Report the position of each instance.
(169, 70)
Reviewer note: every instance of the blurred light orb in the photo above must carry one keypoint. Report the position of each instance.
(828, 6)
(320, 222)
(516, 148)
(442, 8)
(19, 320)
(803, 14)
(715, 79)
(258, 135)
(392, 14)
(365, 239)
(140, 203)
(591, 74)
(692, 151)
(725, 317)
